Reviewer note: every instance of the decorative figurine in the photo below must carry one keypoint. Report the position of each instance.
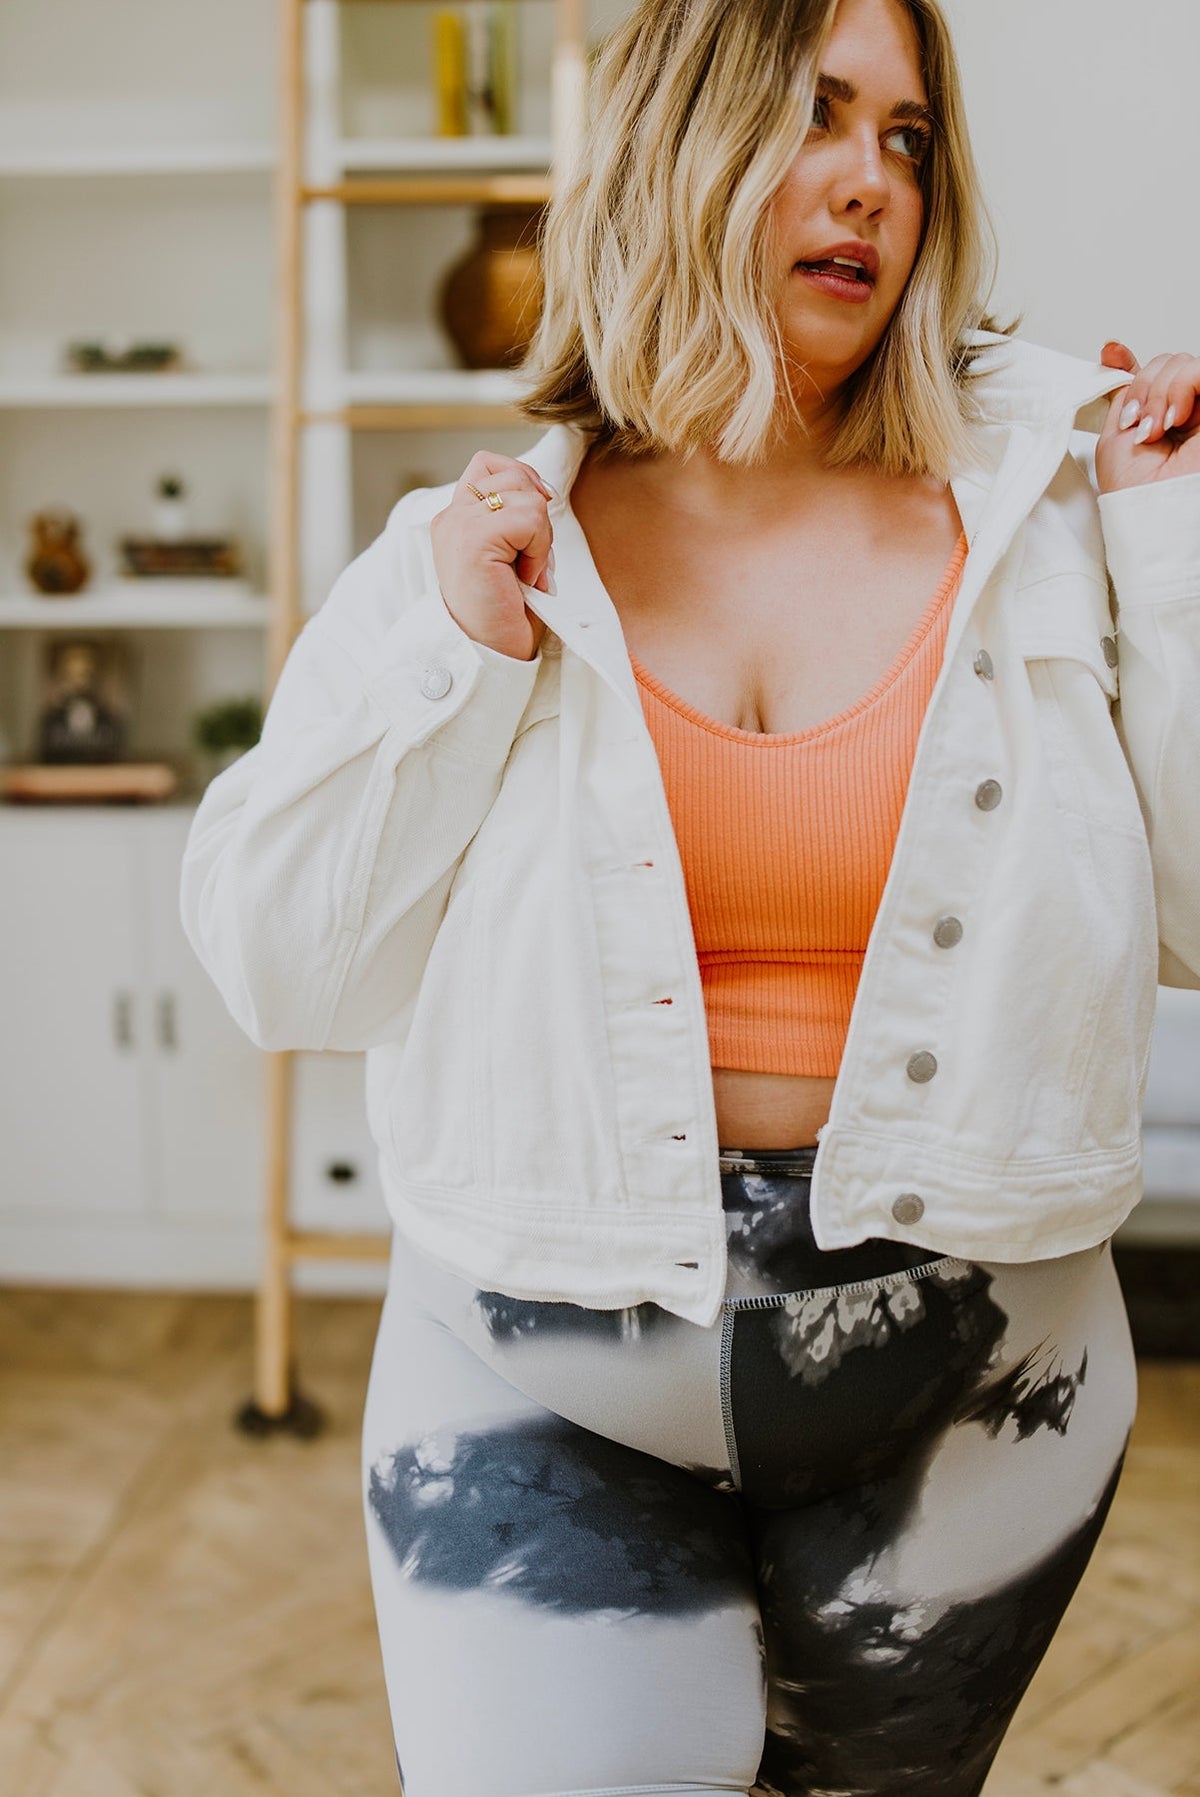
(81, 722)
(56, 562)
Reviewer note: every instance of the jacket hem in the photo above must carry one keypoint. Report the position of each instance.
(1016, 1250)
(603, 1259)
(975, 1209)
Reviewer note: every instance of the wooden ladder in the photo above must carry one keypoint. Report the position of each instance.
(276, 1402)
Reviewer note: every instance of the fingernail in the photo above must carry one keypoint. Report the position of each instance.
(1169, 420)
(1144, 428)
(551, 585)
(1130, 414)
(550, 563)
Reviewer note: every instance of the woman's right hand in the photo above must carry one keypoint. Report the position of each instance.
(481, 555)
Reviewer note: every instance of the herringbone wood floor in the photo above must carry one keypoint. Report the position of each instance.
(185, 1612)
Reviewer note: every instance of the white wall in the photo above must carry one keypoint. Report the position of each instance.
(1083, 115)
(1083, 118)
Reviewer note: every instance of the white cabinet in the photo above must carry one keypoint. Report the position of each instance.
(131, 1104)
(205, 1107)
(72, 1069)
(335, 1179)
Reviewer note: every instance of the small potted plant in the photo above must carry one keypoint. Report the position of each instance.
(170, 509)
(226, 729)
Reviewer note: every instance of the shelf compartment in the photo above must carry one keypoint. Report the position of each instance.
(433, 386)
(34, 392)
(434, 399)
(21, 163)
(452, 155)
(420, 418)
(436, 190)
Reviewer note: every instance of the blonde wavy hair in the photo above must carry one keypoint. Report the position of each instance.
(659, 328)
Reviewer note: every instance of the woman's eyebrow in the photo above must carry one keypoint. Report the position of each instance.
(837, 88)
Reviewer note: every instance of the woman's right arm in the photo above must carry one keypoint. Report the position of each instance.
(318, 865)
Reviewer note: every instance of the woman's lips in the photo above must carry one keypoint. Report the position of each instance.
(839, 286)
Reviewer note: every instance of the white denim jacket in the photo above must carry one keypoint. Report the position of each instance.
(464, 865)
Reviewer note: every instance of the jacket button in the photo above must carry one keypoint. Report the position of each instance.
(1109, 646)
(908, 1208)
(436, 682)
(988, 796)
(922, 1066)
(983, 665)
(947, 932)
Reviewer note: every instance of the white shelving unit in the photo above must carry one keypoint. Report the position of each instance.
(136, 193)
(370, 273)
(360, 364)
(136, 184)
(139, 174)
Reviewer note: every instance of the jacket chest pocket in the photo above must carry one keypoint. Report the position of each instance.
(1066, 636)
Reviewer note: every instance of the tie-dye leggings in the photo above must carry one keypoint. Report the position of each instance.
(818, 1548)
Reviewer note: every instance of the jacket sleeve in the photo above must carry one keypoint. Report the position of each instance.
(318, 865)
(1152, 545)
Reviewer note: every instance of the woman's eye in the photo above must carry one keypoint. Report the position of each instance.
(918, 141)
(916, 148)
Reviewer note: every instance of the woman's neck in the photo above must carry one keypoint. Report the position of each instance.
(699, 484)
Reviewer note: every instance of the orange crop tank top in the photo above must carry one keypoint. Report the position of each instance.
(786, 841)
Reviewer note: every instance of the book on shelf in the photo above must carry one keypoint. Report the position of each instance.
(475, 66)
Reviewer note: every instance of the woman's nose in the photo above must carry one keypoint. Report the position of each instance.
(861, 178)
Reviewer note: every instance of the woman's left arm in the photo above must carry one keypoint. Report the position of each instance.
(1148, 478)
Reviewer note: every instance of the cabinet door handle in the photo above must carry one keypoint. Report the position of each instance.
(167, 1035)
(122, 1018)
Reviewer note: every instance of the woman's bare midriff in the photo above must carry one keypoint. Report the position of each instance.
(770, 622)
(769, 1110)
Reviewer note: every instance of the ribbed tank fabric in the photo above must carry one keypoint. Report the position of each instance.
(786, 841)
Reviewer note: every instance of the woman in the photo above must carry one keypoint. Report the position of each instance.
(801, 810)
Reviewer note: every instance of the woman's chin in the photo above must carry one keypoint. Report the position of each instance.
(829, 356)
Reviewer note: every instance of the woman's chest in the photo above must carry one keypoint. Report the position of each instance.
(774, 635)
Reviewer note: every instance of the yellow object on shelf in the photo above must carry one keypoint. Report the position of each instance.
(477, 14)
(502, 58)
(450, 64)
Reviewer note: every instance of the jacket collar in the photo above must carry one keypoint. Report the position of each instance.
(1029, 399)
(1022, 382)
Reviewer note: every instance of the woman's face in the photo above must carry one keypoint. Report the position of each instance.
(857, 180)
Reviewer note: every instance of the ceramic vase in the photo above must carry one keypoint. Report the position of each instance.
(492, 297)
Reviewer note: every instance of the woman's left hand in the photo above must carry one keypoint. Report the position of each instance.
(1152, 431)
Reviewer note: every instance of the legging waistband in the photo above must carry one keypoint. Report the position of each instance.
(781, 1163)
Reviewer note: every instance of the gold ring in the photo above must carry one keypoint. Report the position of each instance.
(493, 501)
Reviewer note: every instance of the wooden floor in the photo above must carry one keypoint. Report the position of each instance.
(185, 1612)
